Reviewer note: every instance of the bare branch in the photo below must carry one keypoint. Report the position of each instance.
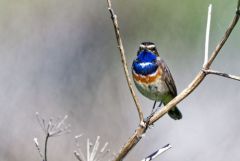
(123, 58)
(207, 34)
(157, 153)
(141, 129)
(222, 74)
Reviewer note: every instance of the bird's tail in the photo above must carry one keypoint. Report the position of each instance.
(175, 113)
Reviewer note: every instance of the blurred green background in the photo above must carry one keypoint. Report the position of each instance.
(60, 57)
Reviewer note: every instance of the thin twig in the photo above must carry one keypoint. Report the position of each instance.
(45, 146)
(38, 148)
(136, 137)
(123, 57)
(207, 34)
(77, 155)
(95, 148)
(222, 74)
(157, 153)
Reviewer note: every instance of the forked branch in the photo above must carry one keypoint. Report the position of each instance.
(222, 74)
(142, 128)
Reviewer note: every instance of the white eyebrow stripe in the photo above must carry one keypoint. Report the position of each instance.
(142, 46)
(151, 46)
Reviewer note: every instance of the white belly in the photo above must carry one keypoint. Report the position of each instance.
(154, 91)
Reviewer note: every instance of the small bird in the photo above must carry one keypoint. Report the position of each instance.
(153, 78)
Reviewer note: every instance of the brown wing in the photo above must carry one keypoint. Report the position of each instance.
(167, 77)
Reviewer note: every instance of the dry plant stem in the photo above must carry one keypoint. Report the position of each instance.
(141, 129)
(222, 74)
(45, 149)
(123, 58)
(207, 33)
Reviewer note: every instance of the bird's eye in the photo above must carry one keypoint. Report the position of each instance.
(152, 48)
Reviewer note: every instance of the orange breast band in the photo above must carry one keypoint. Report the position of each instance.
(148, 78)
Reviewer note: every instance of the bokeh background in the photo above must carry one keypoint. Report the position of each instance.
(60, 57)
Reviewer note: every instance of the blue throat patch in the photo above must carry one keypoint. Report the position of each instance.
(145, 57)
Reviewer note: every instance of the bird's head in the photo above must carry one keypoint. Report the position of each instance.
(148, 46)
(146, 60)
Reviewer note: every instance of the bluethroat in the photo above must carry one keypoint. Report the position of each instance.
(153, 78)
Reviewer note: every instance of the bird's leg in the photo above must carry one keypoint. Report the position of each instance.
(153, 107)
(151, 114)
(153, 111)
(160, 104)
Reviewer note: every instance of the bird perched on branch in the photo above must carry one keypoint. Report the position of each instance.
(153, 78)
